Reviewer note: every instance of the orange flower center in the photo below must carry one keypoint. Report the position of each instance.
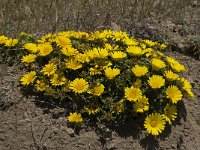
(153, 123)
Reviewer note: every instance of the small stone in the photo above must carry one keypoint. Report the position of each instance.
(173, 146)
(111, 145)
(70, 132)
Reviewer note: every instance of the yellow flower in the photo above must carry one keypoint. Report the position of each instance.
(58, 80)
(141, 105)
(156, 81)
(97, 90)
(49, 69)
(185, 83)
(91, 54)
(28, 58)
(134, 50)
(110, 47)
(47, 38)
(69, 51)
(11, 42)
(137, 83)
(75, 118)
(31, 47)
(91, 109)
(41, 85)
(189, 93)
(170, 113)
(118, 55)
(149, 43)
(73, 64)
(187, 87)
(82, 58)
(158, 64)
(175, 65)
(28, 78)
(130, 41)
(171, 76)
(45, 49)
(139, 70)
(95, 71)
(79, 85)
(3, 39)
(119, 35)
(154, 124)
(174, 94)
(100, 53)
(162, 46)
(111, 73)
(132, 93)
(62, 41)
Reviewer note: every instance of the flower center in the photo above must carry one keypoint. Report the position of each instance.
(153, 123)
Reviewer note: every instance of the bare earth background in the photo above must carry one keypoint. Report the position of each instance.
(27, 122)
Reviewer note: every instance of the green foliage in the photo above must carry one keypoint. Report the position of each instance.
(108, 75)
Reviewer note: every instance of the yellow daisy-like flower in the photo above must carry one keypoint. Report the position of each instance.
(171, 76)
(100, 53)
(134, 50)
(28, 78)
(158, 64)
(111, 73)
(119, 35)
(45, 49)
(97, 90)
(73, 64)
(95, 71)
(75, 118)
(28, 58)
(69, 51)
(137, 83)
(132, 93)
(174, 94)
(156, 81)
(82, 58)
(149, 43)
(11, 42)
(175, 65)
(185, 83)
(189, 93)
(91, 109)
(110, 47)
(139, 70)
(41, 85)
(49, 69)
(118, 55)
(31, 47)
(79, 85)
(130, 41)
(187, 87)
(141, 105)
(62, 41)
(170, 113)
(154, 124)
(58, 80)
(91, 54)
(3, 39)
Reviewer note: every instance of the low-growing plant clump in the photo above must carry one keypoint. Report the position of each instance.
(107, 75)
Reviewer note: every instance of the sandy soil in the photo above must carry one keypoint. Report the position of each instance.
(27, 123)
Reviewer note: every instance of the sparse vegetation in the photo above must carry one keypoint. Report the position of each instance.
(101, 62)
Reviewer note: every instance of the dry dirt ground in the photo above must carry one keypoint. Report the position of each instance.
(27, 123)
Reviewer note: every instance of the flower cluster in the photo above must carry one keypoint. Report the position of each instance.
(114, 76)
